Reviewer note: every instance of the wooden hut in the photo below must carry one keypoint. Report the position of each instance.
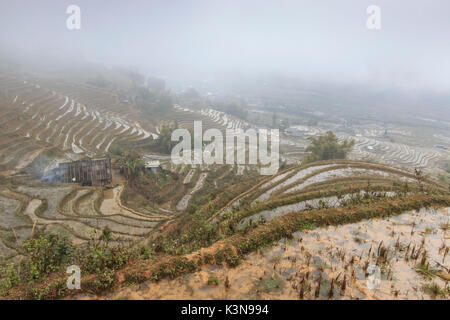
(86, 172)
(152, 166)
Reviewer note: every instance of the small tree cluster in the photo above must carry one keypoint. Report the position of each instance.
(327, 147)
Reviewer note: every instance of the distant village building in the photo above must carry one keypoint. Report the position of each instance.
(152, 166)
(86, 172)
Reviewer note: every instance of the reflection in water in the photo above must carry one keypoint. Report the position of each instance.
(328, 202)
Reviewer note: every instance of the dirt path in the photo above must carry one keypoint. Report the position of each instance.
(119, 203)
(31, 209)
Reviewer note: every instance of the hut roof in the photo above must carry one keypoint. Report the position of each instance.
(152, 164)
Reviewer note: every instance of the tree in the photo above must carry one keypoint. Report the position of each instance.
(420, 177)
(327, 147)
(134, 165)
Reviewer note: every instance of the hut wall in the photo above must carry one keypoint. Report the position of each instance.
(86, 171)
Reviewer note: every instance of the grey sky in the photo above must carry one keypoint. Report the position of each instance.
(323, 39)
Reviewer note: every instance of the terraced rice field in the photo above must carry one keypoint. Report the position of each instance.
(328, 202)
(211, 119)
(284, 192)
(390, 153)
(371, 145)
(310, 196)
(80, 213)
(326, 263)
(300, 174)
(223, 119)
(77, 119)
(318, 262)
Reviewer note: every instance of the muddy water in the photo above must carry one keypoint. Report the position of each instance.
(8, 217)
(276, 179)
(292, 268)
(6, 252)
(329, 202)
(31, 208)
(68, 207)
(86, 205)
(108, 194)
(109, 204)
(342, 173)
(298, 176)
(53, 196)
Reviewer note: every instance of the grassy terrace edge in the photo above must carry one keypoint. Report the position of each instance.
(228, 251)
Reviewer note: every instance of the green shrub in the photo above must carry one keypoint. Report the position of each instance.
(52, 291)
(134, 278)
(10, 279)
(327, 147)
(213, 281)
(104, 281)
(46, 254)
(98, 257)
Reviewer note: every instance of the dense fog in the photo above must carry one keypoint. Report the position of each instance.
(195, 41)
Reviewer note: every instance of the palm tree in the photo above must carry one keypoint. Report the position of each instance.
(134, 165)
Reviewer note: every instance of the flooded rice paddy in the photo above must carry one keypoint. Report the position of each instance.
(410, 251)
(327, 202)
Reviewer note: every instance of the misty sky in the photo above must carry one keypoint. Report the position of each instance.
(323, 39)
